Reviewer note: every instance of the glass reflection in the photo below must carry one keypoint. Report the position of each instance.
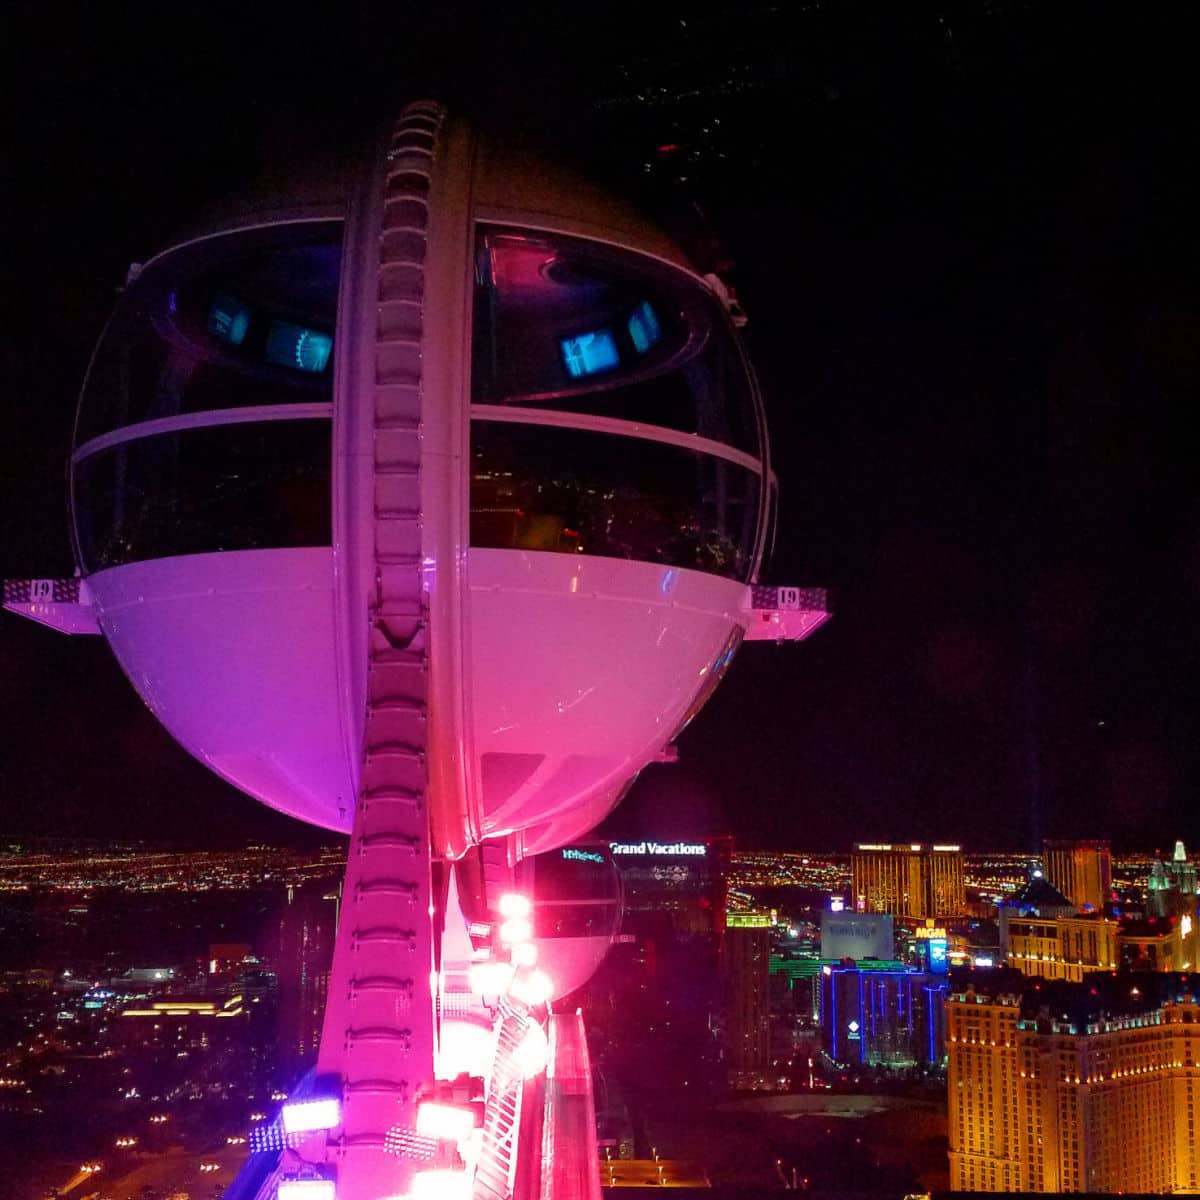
(251, 486)
(229, 322)
(568, 491)
(576, 326)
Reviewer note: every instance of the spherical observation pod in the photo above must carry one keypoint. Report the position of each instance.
(425, 504)
(576, 911)
(585, 492)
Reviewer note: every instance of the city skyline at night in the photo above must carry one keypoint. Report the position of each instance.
(115, 939)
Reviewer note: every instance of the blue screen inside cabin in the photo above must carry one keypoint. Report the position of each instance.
(644, 329)
(590, 353)
(299, 348)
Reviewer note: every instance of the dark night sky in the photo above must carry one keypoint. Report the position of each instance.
(967, 238)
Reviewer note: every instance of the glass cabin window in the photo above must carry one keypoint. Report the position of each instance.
(576, 326)
(573, 873)
(228, 322)
(537, 487)
(251, 486)
(576, 920)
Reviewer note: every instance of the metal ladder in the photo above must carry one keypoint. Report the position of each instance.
(502, 1112)
(378, 1036)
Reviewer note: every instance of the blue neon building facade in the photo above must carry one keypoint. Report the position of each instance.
(883, 1015)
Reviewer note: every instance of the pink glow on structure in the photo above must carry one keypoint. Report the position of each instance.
(235, 654)
(406, 1143)
(577, 724)
(570, 1156)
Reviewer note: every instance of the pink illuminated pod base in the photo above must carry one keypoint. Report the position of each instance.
(428, 510)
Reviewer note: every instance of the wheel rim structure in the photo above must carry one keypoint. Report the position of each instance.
(378, 1037)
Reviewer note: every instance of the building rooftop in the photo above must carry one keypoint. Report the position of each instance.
(1104, 997)
(1039, 892)
(1147, 927)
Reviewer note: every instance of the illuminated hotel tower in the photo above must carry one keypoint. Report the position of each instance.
(1082, 871)
(747, 960)
(1062, 947)
(911, 881)
(1067, 1091)
(302, 958)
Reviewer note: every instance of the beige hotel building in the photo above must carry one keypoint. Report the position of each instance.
(1064, 1090)
(912, 881)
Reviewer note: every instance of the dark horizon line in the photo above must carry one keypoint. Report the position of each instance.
(337, 840)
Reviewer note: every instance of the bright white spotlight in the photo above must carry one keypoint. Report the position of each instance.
(516, 929)
(306, 1189)
(471, 1147)
(525, 954)
(465, 1047)
(303, 1116)
(532, 1052)
(513, 904)
(441, 1185)
(446, 1121)
(490, 978)
(533, 988)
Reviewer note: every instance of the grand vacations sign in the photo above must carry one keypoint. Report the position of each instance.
(659, 849)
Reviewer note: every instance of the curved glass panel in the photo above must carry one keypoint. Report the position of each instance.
(577, 326)
(570, 874)
(251, 486)
(534, 487)
(232, 321)
(576, 920)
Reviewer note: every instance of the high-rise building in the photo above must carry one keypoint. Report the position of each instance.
(747, 959)
(911, 881)
(1062, 947)
(303, 956)
(688, 880)
(857, 935)
(1086, 1087)
(1068, 947)
(227, 959)
(882, 1014)
(1158, 943)
(659, 1002)
(1172, 886)
(1038, 898)
(1081, 870)
(796, 980)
